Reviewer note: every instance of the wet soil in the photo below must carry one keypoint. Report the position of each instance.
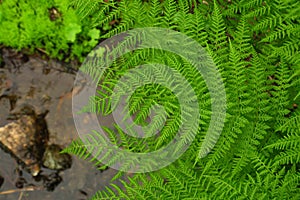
(46, 85)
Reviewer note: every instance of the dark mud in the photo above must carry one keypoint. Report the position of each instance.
(46, 85)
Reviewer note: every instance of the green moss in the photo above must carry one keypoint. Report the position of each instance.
(52, 27)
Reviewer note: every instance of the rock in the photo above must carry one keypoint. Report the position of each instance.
(20, 182)
(52, 181)
(55, 160)
(26, 138)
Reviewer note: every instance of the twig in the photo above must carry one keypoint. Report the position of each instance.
(21, 195)
(27, 189)
(42, 50)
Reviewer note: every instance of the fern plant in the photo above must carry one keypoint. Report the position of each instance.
(255, 45)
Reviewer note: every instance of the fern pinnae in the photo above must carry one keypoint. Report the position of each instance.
(254, 45)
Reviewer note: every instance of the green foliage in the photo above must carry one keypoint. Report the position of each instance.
(52, 27)
(255, 45)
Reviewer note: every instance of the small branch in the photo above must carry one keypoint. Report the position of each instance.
(42, 50)
(21, 195)
(27, 189)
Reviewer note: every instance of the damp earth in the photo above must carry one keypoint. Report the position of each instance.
(45, 85)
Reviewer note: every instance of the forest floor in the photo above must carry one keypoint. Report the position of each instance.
(44, 84)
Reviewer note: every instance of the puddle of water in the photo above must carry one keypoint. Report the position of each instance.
(45, 86)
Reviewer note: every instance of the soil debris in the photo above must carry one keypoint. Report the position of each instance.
(1, 180)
